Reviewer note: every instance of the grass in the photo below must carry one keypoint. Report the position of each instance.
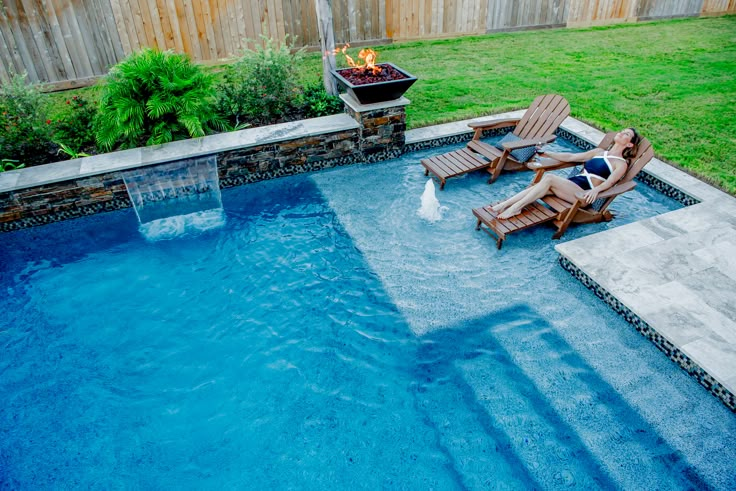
(675, 81)
(672, 80)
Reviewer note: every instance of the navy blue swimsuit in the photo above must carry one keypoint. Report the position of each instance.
(598, 167)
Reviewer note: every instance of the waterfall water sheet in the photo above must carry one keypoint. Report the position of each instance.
(176, 198)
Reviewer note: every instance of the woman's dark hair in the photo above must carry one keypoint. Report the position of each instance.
(630, 153)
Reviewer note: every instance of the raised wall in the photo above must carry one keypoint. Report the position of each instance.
(75, 188)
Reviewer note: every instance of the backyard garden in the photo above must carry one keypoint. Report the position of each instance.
(673, 80)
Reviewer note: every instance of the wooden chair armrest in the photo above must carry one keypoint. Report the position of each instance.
(499, 123)
(546, 163)
(612, 191)
(528, 143)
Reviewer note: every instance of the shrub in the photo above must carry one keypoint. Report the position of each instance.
(25, 132)
(74, 128)
(154, 97)
(261, 86)
(317, 102)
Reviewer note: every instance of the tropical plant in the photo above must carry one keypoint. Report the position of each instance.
(261, 86)
(154, 97)
(25, 131)
(74, 128)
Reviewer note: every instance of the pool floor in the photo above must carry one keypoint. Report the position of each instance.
(330, 337)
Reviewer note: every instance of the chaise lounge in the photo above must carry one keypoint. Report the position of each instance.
(537, 126)
(556, 210)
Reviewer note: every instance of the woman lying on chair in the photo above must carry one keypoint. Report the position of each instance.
(602, 169)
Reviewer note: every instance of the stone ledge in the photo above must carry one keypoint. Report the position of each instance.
(144, 156)
(358, 107)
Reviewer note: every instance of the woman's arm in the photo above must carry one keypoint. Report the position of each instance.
(572, 157)
(618, 172)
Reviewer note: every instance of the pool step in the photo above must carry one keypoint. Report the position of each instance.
(542, 443)
(545, 395)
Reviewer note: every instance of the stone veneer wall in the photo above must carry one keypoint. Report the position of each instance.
(106, 192)
(259, 163)
(381, 135)
(40, 205)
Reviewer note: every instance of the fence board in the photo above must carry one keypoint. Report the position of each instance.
(113, 35)
(199, 30)
(17, 43)
(86, 27)
(718, 6)
(671, 8)
(8, 69)
(207, 33)
(230, 18)
(194, 35)
(127, 39)
(153, 22)
(106, 38)
(137, 17)
(582, 12)
(119, 21)
(149, 32)
(69, 41)
(216, 29)
(254, 29)
(75, 45)
(40, 33)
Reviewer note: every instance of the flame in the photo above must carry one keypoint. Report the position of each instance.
(367, 55)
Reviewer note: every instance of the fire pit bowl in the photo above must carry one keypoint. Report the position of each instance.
(360, 85)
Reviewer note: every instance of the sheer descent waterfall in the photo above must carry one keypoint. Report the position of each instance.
(177, 197)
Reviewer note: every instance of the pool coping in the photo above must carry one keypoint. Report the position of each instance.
(94, 165)
(694, 324)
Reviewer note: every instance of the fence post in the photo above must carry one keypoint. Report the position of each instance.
(327, 43)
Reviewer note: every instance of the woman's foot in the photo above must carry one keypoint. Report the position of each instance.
(508, 214)
(497, 207)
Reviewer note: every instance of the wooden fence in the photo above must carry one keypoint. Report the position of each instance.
(71, 42)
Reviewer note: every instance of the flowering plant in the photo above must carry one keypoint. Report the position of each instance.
(74, 130)
(25, 130)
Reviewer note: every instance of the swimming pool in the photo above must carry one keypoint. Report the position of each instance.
(328, 337)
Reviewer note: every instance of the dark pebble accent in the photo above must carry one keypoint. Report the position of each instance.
(76, 212)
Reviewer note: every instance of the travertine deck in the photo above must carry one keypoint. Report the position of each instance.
(676, 271)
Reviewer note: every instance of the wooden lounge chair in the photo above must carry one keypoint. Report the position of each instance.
(537, 126)
(560, 212)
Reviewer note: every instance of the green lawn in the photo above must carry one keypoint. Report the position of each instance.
(675, 81)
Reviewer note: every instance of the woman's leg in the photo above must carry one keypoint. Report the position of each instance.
(502, 205)
(550, 184)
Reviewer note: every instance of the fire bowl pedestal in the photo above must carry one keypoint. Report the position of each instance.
(378, 91)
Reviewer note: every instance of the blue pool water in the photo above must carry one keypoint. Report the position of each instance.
(329, 338)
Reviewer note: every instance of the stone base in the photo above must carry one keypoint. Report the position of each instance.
(382, 126)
